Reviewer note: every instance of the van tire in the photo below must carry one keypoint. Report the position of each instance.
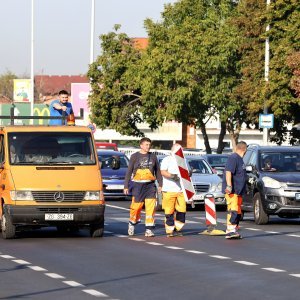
(8, 229)
(96, 231)
(260, 217)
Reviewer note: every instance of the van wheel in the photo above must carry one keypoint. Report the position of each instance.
(260, 217)
(8, 229)
(96, 231)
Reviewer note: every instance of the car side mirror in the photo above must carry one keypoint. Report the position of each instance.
(249, 169)
(115, 163)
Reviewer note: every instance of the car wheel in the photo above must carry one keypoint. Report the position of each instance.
(8, 229)
(96, 231)
(260, 217)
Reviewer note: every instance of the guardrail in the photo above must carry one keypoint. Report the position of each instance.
(130, 151)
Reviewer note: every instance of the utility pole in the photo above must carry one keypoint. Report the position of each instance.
(92, 31)
(32, 60)
(267, 69)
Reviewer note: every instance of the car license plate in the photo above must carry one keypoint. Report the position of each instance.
(297, 196)
(198, 197)
(115, 187)
(59, 217)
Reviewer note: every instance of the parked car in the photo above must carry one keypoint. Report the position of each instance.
(106, 146)
(217, 162)
(205, 181)
(273, 183)
(113, 178)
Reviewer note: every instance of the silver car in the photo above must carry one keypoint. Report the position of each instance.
(205, 181)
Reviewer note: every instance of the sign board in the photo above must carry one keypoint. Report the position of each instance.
(22, 90)
(266, 121)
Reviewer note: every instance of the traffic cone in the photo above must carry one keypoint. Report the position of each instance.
(211, 217)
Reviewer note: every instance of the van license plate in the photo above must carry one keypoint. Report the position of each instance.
(198, 197)
(297, 196)
(59, 217)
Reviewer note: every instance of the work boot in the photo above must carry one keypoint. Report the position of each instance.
(149, 233)
(130, 229)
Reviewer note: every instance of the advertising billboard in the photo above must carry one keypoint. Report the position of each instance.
(22, 89)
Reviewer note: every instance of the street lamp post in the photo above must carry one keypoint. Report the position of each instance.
(92, 31)
(32, 60)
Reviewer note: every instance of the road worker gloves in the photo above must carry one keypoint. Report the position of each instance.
(175, 177)
(228, 189)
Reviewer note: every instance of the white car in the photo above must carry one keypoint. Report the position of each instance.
(205, 181)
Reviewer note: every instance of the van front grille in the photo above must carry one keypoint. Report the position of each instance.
(58, 210)
(201, 188)
(60, 197)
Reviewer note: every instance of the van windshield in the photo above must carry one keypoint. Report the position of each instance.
(53, 148)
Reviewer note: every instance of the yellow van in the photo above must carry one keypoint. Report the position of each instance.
(49, 176)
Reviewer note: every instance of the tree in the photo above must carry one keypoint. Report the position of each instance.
(7, 85)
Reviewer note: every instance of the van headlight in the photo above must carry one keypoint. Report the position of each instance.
(271, 183)
(21, 195)
(216, 187)
(90, 196)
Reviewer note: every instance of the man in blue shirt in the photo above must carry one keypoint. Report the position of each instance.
(57, 107)
(234, 185)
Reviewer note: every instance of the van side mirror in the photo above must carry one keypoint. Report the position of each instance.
(249, 168)
(115, 163)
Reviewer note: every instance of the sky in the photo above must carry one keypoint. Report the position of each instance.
(62, 31)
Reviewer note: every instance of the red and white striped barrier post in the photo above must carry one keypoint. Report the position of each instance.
(211, 216)
(185, 179)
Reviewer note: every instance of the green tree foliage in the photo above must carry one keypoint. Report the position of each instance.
(7, 85)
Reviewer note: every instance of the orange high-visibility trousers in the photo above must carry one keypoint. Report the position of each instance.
(135, 212)
(174, 206)
(234, 211)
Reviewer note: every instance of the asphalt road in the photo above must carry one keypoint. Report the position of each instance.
(44, 264)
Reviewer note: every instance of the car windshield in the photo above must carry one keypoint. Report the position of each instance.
(199, 166)
(53, 148)
(106, 161)
(217, 160)
(280, 161)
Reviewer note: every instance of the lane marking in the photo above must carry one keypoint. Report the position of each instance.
(21, 262)
(37, 268)
(155, 244)
(72, 283)
(54, 275)
(118, 207)
(219, 256)
(95, 293)
(273, 232)
(253, 229)
(195, 251)
(136, 239)
(293, 235)
(7, 256)
(121, 235)
(273, 270)
(174, 247)
(295, 275)
(244, 262)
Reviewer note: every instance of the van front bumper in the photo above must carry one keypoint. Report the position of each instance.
(35, 215)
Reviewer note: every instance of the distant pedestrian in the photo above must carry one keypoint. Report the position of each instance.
(234, 185)
(173, 201)
(144, 170)
(58, 106)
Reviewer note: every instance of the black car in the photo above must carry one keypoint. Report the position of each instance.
(217, 162)
(273, 183)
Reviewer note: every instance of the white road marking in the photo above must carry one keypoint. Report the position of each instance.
(293, 235)
(247, 263)
(21, 262)
(7, 256)
(295, 275)
(137, 239)
(173, 247)
(108, 232)
(219, 256)
(95, 293)
(195, 251)
(155, 244)
(121, 235)
(273, 270)
(118, 207)
(72, 283)
(253, 229)
(191, 222)
(37, 268)
(273, 232)
(54, 275)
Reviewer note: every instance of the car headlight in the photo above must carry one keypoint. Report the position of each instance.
(216, 187)
(90, 196)
(271, 183)
(21, 195)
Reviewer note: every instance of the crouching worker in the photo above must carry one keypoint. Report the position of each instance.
(144, 170)
(173, 201)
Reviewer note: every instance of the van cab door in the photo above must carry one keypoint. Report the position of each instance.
(2, 156)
